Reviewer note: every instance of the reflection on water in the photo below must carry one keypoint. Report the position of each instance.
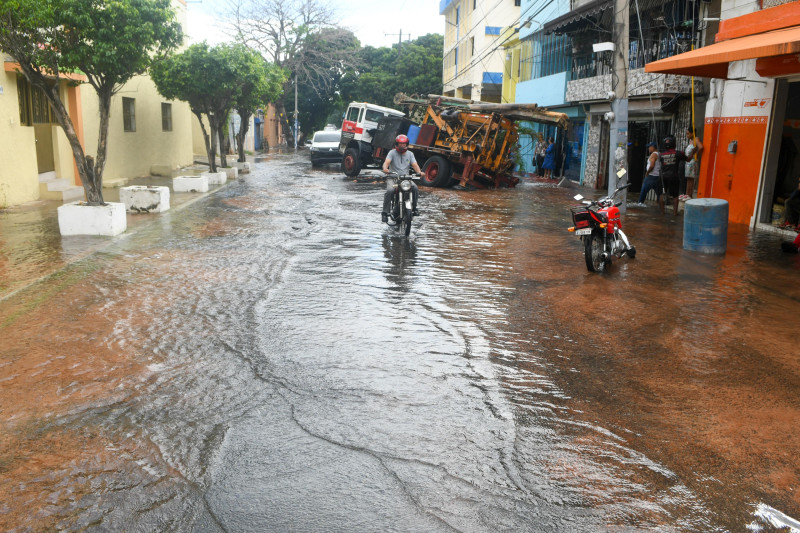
(275, 358)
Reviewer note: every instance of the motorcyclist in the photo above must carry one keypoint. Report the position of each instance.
(398, 160)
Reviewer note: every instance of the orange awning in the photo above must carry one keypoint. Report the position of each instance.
(712, 61)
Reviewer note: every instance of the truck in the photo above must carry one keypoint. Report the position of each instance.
(455, 141)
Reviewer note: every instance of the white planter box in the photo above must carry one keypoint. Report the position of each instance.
(231, 172)
(244, 168)
(144, 199)
(190, 184)
(80, 219)
(215, 178)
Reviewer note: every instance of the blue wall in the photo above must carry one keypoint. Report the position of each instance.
(547, 91)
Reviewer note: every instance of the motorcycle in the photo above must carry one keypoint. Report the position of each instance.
(400, 213)
(598, 224)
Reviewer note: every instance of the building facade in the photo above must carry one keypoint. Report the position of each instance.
(146, 134)
(474, 58)
(752, 120)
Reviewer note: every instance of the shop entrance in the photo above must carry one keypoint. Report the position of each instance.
(782, 171)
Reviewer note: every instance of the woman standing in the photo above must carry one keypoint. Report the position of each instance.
(692, 153)
(549, 158)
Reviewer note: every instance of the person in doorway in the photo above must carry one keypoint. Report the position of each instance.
(792, 209)
(791, 247)
(549, 159)
(539, 153)
(399, 160)
(692, 156)
(652, 180)
(670, 160)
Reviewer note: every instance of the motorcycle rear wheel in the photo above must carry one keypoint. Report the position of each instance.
(593, 251)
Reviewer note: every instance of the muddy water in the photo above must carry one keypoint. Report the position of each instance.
(273, 358)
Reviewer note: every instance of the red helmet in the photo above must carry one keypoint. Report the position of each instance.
(400, 139)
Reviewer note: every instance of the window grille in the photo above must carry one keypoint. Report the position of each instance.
(129, 114)
(544, 55)
(166, 117)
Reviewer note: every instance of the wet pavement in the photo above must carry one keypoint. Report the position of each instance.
(270, 357)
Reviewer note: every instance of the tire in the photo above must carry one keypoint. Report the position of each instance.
(436, 172)
(406, 227)
(315, 163)
(632, 252)
(593, 251)
(351, 162)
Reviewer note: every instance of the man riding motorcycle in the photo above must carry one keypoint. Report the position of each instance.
(398, 161)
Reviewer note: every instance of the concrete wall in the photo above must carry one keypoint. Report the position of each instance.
(137, 153)
(547, 91)
(18, 174)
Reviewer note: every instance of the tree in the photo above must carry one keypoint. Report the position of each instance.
(262, 83)
(108, 41)
(208, 78)
(301, 37)
(416, 67)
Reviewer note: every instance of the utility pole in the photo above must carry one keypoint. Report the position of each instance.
(295, 112)
(399, 39)
(618, 139)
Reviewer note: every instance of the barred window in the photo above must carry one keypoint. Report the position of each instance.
(129, 114)
(166, 117)
(33, 105)
(544, 55)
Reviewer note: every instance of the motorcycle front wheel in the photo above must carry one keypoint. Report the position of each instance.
(405, 226)
(593, 251)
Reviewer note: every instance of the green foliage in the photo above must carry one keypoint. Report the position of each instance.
(379, 75)
(214, 80)
(108, 41)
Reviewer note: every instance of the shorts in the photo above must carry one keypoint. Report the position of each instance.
(672, 186)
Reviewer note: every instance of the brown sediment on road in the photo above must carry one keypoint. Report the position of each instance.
(59, 361)
(693, 360)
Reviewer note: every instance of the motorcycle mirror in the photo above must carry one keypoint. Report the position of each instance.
(578, 197)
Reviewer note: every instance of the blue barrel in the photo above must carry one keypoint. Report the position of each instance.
(413, 133)
(705, 225)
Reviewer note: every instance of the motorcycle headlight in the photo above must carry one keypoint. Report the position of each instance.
(405, 185)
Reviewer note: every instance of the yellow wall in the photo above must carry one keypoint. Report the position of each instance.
(19, 175)
(137, 153)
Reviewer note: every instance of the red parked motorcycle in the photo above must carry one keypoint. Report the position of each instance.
(598, 224)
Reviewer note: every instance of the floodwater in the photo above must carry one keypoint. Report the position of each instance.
(273, 358)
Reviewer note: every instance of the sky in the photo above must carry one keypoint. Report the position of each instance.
(375, 22)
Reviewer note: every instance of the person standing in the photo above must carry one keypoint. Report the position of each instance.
(652, 180)
(539, 153)
(549, 158)
(670, 159)
(792, 210)
(692, 166)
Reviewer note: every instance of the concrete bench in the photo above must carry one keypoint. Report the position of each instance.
(145, 199)
(190, 184)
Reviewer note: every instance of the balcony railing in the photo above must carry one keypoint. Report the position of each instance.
(590, 65)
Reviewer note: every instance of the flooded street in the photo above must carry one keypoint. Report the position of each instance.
(273, 358)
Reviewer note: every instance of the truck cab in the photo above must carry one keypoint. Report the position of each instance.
(358, 129)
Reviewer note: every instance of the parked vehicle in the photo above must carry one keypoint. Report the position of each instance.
(325, 147)
(456, 141)
(400, 213)
(358, 128)
(599, 225)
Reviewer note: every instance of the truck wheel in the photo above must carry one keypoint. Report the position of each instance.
(437, 172)
(351, 162)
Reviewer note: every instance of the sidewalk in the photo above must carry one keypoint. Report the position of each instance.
(31, 247)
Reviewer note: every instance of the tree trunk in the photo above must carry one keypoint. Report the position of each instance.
(284, 118)
(244, 125)
(222, 149)
(209, 140)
